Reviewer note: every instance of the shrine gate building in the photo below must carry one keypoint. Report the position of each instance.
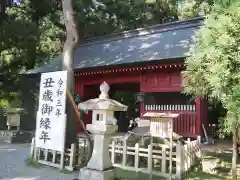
(148, 60)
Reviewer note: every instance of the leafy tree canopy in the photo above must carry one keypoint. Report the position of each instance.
(193, 8)
(213, 67)
(28, 35)
(33, 32)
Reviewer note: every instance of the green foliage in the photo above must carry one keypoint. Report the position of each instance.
(65, 171)
(113, 16)
(214, 63)
(4, 104)
(33, 32)
(193, 8)
(32, 163)
(28, 37)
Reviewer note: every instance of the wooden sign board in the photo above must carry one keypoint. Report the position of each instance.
(51, 117)
(161, 124)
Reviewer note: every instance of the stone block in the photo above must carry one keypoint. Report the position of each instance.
(90, 174)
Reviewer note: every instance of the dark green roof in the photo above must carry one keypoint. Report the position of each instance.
(159, 42)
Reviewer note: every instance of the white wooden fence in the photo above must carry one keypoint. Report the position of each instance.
(155, 159)
(65, 160)
(73, 156)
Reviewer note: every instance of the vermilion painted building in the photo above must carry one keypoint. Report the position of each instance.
(147, 60)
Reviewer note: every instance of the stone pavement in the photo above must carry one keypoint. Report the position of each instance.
(13, 167)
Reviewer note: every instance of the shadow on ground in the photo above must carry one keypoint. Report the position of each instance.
(193, 175)
(129, 175)
(221, 153)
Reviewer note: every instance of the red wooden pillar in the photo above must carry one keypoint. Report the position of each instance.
(142, 87)
(205, 111)
(142, 109)
(201, 114)
(78, 90)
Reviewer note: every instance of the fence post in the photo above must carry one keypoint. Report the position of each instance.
(179, 161)
(32, 148)
(35, 150)
(124, 152)
(163, 159)
(113, 152)
(62, 159)
(45, 154)
(136, 161)
(199, 153)
(191, 153)
(150, 151)
(54, 156)
(72, 155)
(199, 139)
(187, 156)
(39, 150)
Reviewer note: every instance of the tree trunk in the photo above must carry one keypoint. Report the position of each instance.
(2, 10)
(234, 156)
(68, 55)
(71, 40)
(2, 16)
(238, 142)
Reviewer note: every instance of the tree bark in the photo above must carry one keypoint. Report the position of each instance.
(68, 55)
(71, 40)
(234, 156)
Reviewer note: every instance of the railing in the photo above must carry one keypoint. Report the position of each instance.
(166, 107)
(185, 124)
(155, 160)
(62, 160)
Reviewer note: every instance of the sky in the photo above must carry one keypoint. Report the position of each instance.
(17, 1)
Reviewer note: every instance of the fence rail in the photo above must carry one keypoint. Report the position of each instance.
(56, 159)
(155, 159)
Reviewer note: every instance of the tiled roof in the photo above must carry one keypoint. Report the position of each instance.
(159, 42)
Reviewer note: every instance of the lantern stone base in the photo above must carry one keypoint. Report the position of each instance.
(91, 174)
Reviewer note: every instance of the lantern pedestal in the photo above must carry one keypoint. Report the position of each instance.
(92, 174)
(100, 166)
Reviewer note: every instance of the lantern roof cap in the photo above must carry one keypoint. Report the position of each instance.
(103, 102)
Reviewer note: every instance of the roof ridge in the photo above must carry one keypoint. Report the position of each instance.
(151, 30)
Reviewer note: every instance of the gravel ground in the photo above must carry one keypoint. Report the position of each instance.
(13, 167)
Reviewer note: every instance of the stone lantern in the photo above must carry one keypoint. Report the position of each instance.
(13, 118)
(103, 126)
